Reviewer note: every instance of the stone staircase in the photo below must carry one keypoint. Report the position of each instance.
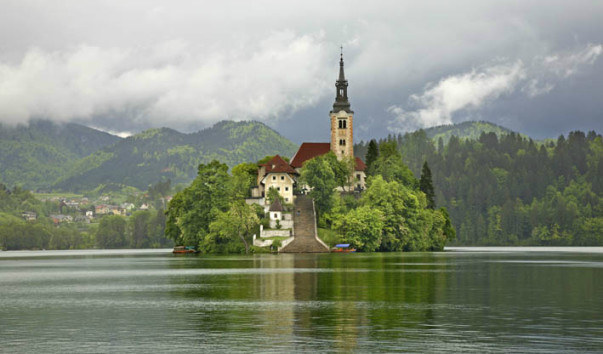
(304, 223)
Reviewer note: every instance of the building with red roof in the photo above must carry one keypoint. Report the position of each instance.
(309, 151)
(279, 174)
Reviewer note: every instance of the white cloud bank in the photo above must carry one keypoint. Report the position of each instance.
(169, 83)
(469, 91)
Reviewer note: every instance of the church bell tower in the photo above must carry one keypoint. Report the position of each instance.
(342, 119)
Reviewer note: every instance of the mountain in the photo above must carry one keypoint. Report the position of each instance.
(37, 154)
(155, 154)
(465, 130)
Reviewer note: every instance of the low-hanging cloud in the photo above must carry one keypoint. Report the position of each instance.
(170, 83)
(467, 92)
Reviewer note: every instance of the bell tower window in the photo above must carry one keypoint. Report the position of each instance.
(342, 124)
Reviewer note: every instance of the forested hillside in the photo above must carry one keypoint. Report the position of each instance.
(465, 130)
(36, 155)
(145, 158)
(511, 190)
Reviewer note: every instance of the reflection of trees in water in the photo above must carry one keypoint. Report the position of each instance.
(338, 301)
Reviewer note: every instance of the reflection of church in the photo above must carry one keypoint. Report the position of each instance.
(280, 175)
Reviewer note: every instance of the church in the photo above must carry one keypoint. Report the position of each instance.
(282, 176)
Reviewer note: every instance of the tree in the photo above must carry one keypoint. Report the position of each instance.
(158, 192)
(361, 227)
(273, 195)
(391, 167)
(111, 232)
(343, 169)
(371, 155)
(319, 176)
(191, 211)
(238, 221)
(138, 229)
(426, 185)
(244, 177)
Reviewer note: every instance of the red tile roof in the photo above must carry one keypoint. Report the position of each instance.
(308, 151)
(359, 166)
(278, 165)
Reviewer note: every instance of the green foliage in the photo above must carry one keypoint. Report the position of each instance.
(390, 166)
(372, 155)
(466, 130)
(426, 185)
(244, 177)
(212, 214)
(36, 155)
(509, 190)
(273, 195)
(342, 169)
(191, 211)
(329, 236)
(162, 154)
(143, 229)
(361, 228)
(111, 232)
(237, 223)
(267, 158)
(319, 176)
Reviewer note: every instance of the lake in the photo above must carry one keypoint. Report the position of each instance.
(469, 300)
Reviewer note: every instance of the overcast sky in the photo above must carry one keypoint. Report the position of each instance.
(125, 66)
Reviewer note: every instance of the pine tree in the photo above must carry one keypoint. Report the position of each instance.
(426, 185)
(372, 154)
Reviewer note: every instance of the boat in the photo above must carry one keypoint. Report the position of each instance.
(184, 249)
(343, 248)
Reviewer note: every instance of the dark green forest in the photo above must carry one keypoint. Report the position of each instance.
(510, 190)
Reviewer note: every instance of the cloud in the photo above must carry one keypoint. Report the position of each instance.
(536, 88)
(567, 64)
(171, 82)
(470, 91)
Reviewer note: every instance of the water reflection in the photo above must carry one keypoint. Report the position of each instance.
(424, 302)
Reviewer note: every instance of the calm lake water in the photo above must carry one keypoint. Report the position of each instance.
(464, 300)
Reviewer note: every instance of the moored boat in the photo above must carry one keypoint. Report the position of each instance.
(184, 249)
(343, 248)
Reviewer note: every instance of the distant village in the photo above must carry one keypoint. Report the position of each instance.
(84, 210)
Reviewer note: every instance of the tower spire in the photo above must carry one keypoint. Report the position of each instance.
(341, 74)
(341, 97)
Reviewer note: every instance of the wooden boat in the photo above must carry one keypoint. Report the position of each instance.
(343, 248)
(184, 249)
